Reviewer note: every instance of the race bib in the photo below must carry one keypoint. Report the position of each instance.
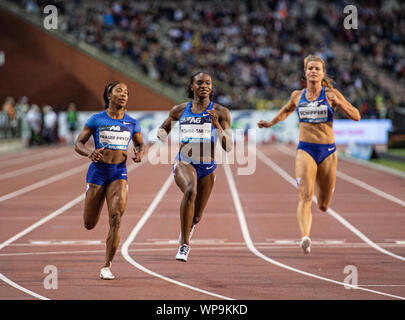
(114, 137)
(313, 111)
(195, 129)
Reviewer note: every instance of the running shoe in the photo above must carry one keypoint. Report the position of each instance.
(189, 238)
(306, 244)
(183, 252)
(105, 273)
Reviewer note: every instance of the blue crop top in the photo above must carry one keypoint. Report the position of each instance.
(196, 127)
(112, 133)
(316, 111)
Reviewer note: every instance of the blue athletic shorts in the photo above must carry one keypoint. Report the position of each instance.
(102, 173)
(317, 151)
(202, 169)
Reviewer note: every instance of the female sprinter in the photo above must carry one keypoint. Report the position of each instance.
(316, 159)
(112, 130)
(201, 121)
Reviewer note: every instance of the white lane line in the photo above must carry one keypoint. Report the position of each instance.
(43, 183)
(205, 242)
(17, 286)
(382, 285)
(138, 227)
(60, 243)
(29, 229)
(42, 165)
(372, 165)
(130, 250)
(372, 189)
(41, 222)
(28, 158)
(253, 249)
(355, 181)
(239, 246)
(330, 211)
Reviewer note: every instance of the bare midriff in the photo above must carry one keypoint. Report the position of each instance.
(203, 152)
(317, 132)
(114, 156)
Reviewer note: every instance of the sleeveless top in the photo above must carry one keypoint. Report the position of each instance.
(316, 111)
(112, 133)
(196, 127)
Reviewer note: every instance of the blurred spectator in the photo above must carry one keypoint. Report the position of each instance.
(71, 120)
(21, 107)
(34, 119)
(49, 133)
(9, 109)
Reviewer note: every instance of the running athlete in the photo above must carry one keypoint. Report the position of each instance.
(201, 122)
(112, 130)
(316, 159)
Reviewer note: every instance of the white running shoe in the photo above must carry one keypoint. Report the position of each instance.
(306, 244)
(191, 233)
(105, 274)
(183, 252)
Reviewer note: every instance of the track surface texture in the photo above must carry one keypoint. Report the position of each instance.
(246, 247)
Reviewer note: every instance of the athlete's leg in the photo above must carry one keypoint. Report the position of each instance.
(117, 196)
(325, 181)
(204, 188)
(186, 179)
(93, 204)
(305, 172)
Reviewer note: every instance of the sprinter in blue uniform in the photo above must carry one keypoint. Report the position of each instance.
(316, 159)
(201, 123)
(112, 131)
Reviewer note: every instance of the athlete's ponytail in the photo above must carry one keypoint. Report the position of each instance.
(326, 81)
(107, 90)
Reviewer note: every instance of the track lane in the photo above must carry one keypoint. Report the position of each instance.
(377, 217)
(225, 266)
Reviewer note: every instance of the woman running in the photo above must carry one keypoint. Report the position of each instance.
(201, 122)
(112, 130)
(316, 159)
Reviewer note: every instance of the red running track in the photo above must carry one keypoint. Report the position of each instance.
(246, 246)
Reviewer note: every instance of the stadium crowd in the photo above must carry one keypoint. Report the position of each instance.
(254, 48)
(380, 34)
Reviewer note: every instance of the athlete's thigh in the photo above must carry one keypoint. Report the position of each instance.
(204, 188)
(93, 203)
(326, 177)
(117, 196)
(185, 176)
(305, 173)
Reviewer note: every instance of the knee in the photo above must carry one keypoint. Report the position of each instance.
(190, 193)
(115, 220)
(89, 225)
(323, 206)
(196, 219)
(305, 198)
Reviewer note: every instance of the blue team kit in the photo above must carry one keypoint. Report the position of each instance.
(316, 111)
(114, 134)
(196, 128)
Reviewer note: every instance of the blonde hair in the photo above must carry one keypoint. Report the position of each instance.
(326, 81)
